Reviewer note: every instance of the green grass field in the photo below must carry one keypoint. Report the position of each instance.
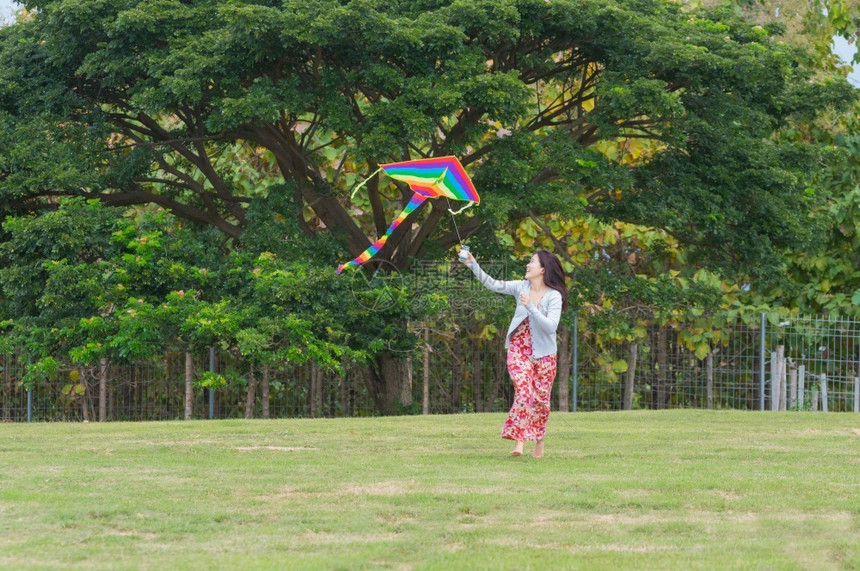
(658, 490)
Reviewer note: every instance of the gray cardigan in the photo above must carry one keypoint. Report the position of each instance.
(543, 318)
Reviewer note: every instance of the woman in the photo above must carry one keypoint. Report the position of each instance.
(531, 344)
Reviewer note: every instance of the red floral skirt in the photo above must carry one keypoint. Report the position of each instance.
(532, 380)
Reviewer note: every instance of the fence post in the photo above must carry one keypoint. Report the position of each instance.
(709, 388)
(574, 360)
(792, 402)
(30, 397)
(801, 386)
(761, 362)
(781, 377)
(774, 381)
(425, 401)
(211, 391)
(823, 392)
(856, 394)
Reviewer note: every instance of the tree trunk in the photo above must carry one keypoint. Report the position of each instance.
(563, 372)
(389, 381)
(409, 375)
(251, 395)
(630, 377)
(189, 386)
(83, 382)
(103, 390)
(265, 388)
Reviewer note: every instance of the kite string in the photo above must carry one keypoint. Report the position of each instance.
(454, 220)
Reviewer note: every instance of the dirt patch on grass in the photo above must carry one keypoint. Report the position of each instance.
(276, 448)
(625, 548)
(288, 493)
(560, 520)
(323, 538)
(388, 488)
(166, 442)
(609, 547)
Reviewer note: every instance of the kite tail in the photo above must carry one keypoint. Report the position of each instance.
(417, 200)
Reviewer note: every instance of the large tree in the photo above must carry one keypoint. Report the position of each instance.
(137, 102)
(151, 101)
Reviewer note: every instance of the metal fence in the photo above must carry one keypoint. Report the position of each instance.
(810, 363)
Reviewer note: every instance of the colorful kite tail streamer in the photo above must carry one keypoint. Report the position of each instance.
(417, 200)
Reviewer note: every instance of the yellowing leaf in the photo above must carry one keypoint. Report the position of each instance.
(619, 366)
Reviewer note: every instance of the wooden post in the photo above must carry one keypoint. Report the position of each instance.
(774, 381)
(709, 387)
(425, 408)
(265, 388)
(823, 392)
(792, 403)
(781, 351)
(103, 389)
(630, 378)
(211, 391)
(563, 370)
(801, 386)
(189, 387)
(574, 362)
(83, 380)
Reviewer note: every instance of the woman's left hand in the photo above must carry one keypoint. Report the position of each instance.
(524, 298)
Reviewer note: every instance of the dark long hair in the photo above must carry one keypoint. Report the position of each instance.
(553, 275)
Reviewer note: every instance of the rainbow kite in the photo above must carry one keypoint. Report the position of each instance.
(428, 178)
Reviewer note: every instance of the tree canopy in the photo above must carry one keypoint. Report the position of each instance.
(148, 102)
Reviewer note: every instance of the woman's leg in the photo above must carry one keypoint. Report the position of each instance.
(517, 425)
(541, 380)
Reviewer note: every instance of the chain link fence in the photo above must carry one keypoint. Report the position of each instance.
(808, 363)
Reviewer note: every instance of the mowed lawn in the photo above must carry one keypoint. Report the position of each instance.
(638, 490)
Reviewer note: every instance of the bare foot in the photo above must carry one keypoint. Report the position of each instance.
(538, 451)
(518, 449)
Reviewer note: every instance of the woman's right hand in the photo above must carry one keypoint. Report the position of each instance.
(470, 259)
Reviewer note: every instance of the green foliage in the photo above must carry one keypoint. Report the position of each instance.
(210, 380)
(138, 103)
(42, 370)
